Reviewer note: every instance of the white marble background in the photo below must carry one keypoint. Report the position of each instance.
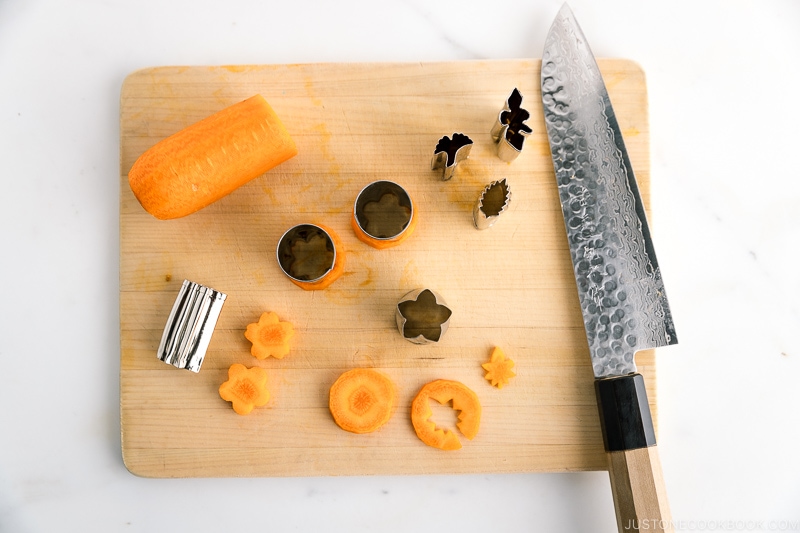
(723, 80)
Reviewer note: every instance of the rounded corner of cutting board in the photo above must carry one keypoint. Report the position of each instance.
(133, 466)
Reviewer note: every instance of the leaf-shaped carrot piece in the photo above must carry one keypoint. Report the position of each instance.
(499, 368)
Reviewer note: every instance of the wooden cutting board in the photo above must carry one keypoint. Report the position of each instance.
(509, 286)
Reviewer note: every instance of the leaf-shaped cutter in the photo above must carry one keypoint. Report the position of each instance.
(509, 130)
(492, 203)
(449, 152)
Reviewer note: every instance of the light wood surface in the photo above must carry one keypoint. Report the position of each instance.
(640, 495)
(509, 286)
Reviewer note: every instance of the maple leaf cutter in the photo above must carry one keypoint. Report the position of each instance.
(509, 130)
(449, 152)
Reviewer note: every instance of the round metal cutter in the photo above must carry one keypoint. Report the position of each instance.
(307, 254)
(383, 214)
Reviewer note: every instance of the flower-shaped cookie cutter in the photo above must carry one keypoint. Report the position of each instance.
(311, 256)
(383, 215)
(492, 203)
(449, 152)
(190, 325)
(509, 130)
(422, 316)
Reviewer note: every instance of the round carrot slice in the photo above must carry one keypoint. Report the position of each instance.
(362, 400)
(445, 391)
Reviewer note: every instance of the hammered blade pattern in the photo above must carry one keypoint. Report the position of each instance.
(622, 295)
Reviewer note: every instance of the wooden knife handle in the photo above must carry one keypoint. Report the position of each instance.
(640, 496)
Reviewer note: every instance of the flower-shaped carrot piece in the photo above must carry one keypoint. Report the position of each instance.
(269, 336)
(246, 388)
(498, 369)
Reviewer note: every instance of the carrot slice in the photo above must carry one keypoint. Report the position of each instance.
(336, 271)
(208, 160)
(362, 400)
(270, 336)
(499, 368)
(444, 391)
(246, 388)
(382, 244)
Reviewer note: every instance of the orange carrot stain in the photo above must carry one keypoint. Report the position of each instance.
(631, 132)
(410, 275)
(309, 86)
(164, 83)
(220, 95)
(342, 296)
(354, 285)
(363, 358)
(368, 280)
(235, 68)
(473, 172)
(269, 192)
(325, 138)
(337, 210)
(542, 146)
(326, 151)
(258, 277)
(460, 194)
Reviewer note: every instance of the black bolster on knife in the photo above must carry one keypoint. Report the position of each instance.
(624, 413)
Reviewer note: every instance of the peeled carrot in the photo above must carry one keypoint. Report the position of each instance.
(208, 160)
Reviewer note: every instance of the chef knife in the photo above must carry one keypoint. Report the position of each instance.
(619, 283)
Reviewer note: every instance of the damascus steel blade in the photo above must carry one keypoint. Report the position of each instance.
(621, 291)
